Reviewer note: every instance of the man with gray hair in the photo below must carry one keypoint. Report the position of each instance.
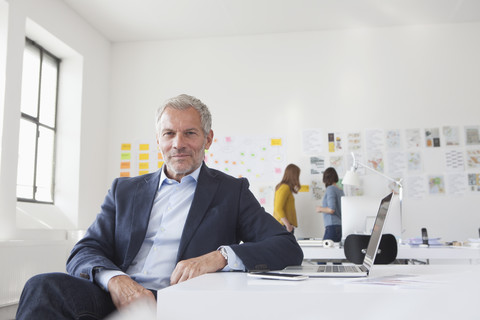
(163, 228)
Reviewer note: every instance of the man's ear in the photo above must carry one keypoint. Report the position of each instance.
(209, 140)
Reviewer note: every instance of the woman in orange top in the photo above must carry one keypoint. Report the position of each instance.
(284, 202)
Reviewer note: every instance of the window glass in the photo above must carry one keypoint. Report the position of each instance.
(26, 159)
(36, 165)
(45, 165)
(30, 80)
(48, 96)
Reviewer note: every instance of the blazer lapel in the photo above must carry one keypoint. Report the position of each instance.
(206, 189)
(145, 193)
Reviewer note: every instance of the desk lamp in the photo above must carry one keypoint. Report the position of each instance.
(351, 178)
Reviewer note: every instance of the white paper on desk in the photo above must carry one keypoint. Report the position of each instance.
(399, 280)
(418, 241)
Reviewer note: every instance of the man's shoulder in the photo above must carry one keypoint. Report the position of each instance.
(128, 181)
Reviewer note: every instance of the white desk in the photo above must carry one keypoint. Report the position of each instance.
(431, 291)
(313, 250)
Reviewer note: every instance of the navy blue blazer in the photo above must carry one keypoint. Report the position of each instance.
(223, 212)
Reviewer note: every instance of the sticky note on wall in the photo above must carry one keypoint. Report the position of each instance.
(126, 146)
(276, 142)
(304, 188)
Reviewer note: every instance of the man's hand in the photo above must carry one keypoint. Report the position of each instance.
(191, 268)
(125, 291)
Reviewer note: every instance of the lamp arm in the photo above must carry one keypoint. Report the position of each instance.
(355, 166)
(398, 183)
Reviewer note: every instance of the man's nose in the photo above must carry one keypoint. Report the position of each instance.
(179, 141)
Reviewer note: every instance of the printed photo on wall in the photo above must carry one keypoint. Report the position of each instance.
(432, 137)
(472, 135)
(436, 184)
(474, 182)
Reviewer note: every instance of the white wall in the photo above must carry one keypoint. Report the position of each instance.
(387, 78)
(82, 108)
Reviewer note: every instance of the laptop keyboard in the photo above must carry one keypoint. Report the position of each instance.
(337, 268)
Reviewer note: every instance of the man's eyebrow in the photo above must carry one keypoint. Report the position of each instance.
(184, 130)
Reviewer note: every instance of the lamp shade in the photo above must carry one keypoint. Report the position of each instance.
(351, 179)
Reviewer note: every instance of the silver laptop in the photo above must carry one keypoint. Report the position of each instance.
(350, 270)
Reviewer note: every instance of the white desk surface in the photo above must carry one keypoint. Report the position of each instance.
(390, 292)
(314, 250)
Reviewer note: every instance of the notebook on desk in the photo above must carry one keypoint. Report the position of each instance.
(351, 270)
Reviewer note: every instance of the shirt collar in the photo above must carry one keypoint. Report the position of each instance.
(163, 177)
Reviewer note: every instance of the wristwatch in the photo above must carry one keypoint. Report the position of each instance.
(224, 252)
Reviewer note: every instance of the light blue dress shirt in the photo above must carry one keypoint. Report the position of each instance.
(156, 259)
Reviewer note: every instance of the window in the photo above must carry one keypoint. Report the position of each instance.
(36, 165)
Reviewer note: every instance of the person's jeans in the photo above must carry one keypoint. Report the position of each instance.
(333, 233)
(61, 296)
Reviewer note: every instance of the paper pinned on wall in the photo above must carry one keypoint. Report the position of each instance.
(451, 135)
(393, 139)
(414, 162)
(396, 162)
(436, 184)
(432, 137)
(317, 165)
(454, 160)
(413, 138)
(473, 158)
(312, 141)
(374, 140)
(474, 182)
(472, 135)
(456, 183)
(354, 141)
(415, 186)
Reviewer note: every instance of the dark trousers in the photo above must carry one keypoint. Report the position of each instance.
(333, 233)
(60, 296)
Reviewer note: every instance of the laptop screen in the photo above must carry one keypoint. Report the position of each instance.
(377, 232)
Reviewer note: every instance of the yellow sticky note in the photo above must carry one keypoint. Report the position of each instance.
(304, 188)
(160, 164)
(126, 146)
(143, 165)
(331, 147)
(276, 142)
(125, 156)
(143, 146)
(142, 172)
(143, 156)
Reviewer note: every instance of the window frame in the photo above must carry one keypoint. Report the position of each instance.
(38, 124)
